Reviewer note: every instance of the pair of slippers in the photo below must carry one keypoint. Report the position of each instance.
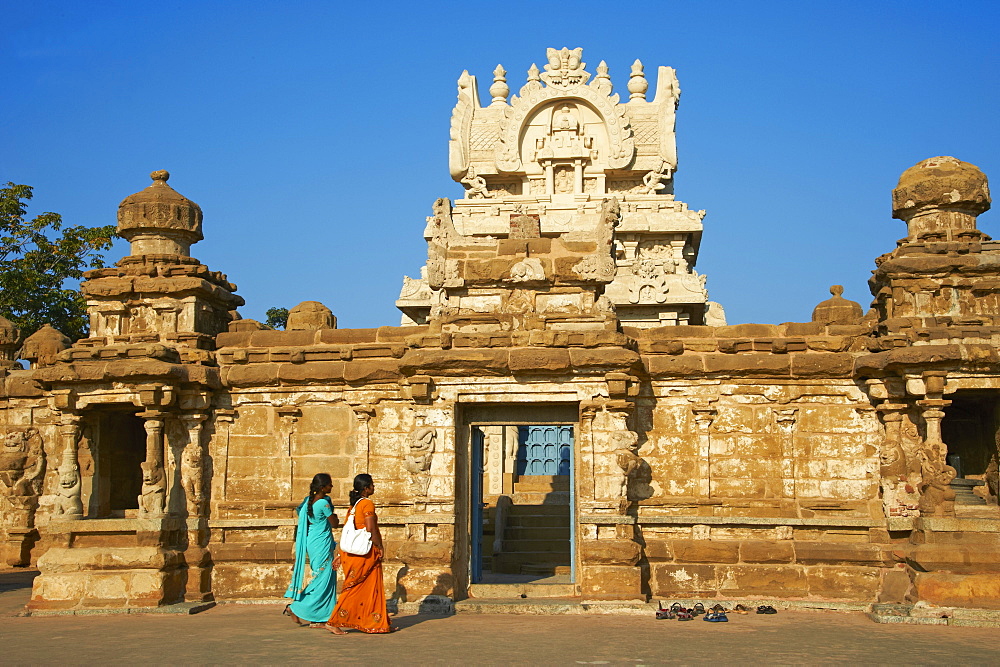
(716, 617)
(766, 609)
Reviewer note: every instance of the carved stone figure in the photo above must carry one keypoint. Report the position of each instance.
(418, 459)
(626, 443)
(937, 498)
(475, 185)
(652, 181)
(154, 491)
(992, 478)
(192, 479)
(22, 468)
(68, 500)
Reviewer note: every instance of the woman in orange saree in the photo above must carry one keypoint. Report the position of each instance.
(361, 604)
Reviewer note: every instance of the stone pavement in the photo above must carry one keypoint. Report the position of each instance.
(258, 634)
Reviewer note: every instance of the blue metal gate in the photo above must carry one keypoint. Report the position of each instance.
(544, 450)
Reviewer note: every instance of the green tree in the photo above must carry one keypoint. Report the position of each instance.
(277, 318)
(37, 258)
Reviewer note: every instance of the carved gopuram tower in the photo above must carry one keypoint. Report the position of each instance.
(552, 154)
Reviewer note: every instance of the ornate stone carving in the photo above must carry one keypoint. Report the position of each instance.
(564, 75)
(652, 181)
(418, 460)
(528, 269)
(192, 467)
(461, 125)
(68, 500)
(154, 491)
(442, 230)
(152, 501)
(601, 265)
(626, 444)
(475, 185)
(22, 469)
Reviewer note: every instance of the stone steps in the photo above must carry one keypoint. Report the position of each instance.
(515, 591)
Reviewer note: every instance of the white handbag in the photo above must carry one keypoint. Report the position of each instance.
(357, 541)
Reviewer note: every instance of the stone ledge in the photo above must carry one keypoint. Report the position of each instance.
(179, 608)
(748, 521)
(384, 519)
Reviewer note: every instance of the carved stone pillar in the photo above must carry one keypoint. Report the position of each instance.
(786, 418)
(704, 415)
(936, 495)
(152, 502)
(69, 500)
(363, 413)
(288, 417)
(586, 482)
(218, 451)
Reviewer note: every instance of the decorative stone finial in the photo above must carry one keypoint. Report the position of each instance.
(837, 309)
(602, 80)
(637, 84)
(499, 90)
(159, 220)
(940, 198)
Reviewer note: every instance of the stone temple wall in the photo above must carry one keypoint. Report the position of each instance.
(851, 457)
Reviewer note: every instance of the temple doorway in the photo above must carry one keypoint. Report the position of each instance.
(969, 430)
(117, 474)
(521, 493)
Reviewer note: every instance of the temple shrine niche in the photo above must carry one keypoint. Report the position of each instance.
(558, 149)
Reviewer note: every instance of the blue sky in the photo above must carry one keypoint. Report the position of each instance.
(314, 135)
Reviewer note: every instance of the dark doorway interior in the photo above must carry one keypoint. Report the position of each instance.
(969, 430)
(120, 451)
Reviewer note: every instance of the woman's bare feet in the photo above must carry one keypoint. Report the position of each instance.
(288, 612)
(335, 630)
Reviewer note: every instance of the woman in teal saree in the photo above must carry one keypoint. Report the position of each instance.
(314, 544)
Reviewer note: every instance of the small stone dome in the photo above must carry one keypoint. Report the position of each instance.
(941, 182)
(42, 348)
(159, 220)
(9, 334)
(310, 315)
(837, 309)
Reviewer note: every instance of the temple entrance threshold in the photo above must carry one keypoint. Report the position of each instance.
(521, 502)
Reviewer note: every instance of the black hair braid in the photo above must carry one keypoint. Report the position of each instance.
(319, 481)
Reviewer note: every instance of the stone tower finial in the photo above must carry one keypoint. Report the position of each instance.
(837, 309)
(499, 90)
(637, 84)
(159, 220)
(940, 198)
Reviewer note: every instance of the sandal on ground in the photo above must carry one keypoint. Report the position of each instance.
(718, 608)
(684, 616)
(766, 609)
(662, 613)
(740, 609)
(677, 607)
(698, 608)
(710, 616)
